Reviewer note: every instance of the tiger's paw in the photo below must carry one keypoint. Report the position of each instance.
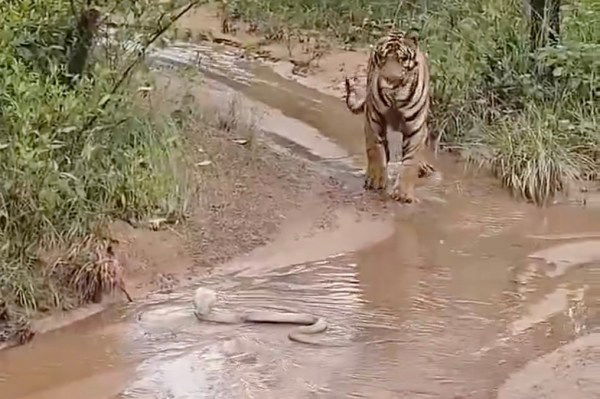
(403, 197)
(425, 169)
(375, 182)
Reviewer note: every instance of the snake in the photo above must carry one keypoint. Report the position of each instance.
(205, 298)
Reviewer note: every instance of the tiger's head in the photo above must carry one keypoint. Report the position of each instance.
(395, 55)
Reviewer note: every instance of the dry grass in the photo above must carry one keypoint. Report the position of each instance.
(101, 272)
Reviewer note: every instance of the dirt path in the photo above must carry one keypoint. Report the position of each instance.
(477, 293)
(245, 194)
(248, 194)
(325, 74)
(572, 371)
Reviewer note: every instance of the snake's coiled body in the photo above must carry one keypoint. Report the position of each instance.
(204, 299)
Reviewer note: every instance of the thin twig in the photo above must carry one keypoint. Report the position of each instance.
(140, 56)
(74, 9)
(396, 14)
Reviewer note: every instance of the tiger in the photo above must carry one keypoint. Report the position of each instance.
(397, 98)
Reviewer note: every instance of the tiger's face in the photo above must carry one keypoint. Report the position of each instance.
(395, 56)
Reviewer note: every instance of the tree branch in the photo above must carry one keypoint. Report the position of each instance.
(140, 56)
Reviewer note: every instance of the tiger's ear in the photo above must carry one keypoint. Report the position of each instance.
(413, 37)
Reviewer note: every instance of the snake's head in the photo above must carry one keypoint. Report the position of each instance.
(204, 300)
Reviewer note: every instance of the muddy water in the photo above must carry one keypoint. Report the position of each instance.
(455, 297)
(322, 117)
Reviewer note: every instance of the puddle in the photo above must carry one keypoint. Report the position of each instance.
(565, 256)
(553, 303)
(443, 300)
(577, 364)
(296, 113)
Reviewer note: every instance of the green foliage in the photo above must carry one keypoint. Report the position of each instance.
(72, 158)
(535, 154)
(488, 87)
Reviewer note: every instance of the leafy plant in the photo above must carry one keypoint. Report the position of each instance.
(76, 154)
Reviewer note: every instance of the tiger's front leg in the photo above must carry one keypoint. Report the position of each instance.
(376, 176)
(404, 187)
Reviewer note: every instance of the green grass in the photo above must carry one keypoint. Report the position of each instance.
(59, 183)
(534, 114)
(535, 155)
(72, 160)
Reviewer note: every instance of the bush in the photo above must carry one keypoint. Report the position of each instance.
(74, 155)
(487, 83)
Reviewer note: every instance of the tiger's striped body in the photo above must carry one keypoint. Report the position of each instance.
(397, 99)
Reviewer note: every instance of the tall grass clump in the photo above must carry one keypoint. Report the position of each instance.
(75, 151)
(491, 87)
(534, 155)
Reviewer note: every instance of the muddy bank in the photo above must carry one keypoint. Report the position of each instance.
(325, 74)
(571, 371)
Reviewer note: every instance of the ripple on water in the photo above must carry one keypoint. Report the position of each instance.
(382, 338)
